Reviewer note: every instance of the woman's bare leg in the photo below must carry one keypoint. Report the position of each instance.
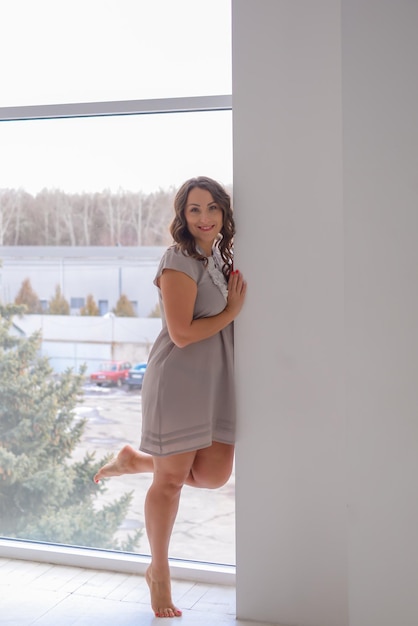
(127, 461)
(211, 466)
(161, 506)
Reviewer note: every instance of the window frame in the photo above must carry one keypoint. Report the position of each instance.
(193, 104)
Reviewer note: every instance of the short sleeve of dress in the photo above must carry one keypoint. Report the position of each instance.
(174, 259)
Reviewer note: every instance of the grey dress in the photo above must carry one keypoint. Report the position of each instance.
(188, 398)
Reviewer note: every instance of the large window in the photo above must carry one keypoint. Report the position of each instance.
(107, 106)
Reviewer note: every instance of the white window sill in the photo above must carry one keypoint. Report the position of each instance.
(210, 573)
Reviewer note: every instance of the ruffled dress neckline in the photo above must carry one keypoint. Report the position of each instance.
(214, 268)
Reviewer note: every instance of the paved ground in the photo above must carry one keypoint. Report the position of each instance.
(205, 527)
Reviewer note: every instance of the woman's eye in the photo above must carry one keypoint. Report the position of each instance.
(214, 207)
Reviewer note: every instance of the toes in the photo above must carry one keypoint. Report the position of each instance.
(98, 477)
(168, 613)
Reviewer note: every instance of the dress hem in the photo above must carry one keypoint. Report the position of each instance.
(183, 451)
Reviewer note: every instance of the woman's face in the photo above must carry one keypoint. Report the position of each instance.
(204, 218)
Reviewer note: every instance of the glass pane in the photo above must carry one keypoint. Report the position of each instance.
(135, 153)
(78, 51)
(94, 183)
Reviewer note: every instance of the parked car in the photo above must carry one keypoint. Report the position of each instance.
(136, 375)
(111, 373)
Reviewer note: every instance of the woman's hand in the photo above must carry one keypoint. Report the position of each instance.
(179, 295)
(237, 288)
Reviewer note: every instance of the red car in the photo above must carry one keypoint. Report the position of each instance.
(111, 373)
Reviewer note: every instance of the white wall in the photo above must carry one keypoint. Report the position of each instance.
(380, 86)
(325, 189)
(291, 528)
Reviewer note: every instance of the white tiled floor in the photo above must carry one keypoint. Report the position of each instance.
(41, 594)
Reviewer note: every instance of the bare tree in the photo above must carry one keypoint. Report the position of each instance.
(87, 218)
(158, 215)
(109, 211)
(6, 214)
(41, 208)
(53, 217)
(21, 196)
(66, 214)
(135, 205)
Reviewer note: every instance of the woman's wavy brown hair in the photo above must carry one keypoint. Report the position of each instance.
(180, 233)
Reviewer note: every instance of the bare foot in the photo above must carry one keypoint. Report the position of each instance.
(127, 461)
(161, 601)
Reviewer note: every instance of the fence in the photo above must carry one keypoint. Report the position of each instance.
(70, 341)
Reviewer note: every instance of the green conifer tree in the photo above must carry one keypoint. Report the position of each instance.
(58, 305)
(45, 496)
(90, 308)
(124, 307)
(27, 296)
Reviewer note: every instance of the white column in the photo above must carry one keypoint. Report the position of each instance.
(291, 507)
(380, 87)
(325, 98)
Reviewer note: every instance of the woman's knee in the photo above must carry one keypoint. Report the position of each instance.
(171, 473)
(169, 482)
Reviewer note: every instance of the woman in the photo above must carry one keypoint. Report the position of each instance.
(188, 402)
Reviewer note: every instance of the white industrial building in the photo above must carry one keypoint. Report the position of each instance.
(105, 272)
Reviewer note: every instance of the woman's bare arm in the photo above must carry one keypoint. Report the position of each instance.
(179, 295)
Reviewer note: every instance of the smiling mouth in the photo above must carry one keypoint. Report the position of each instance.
(205, 227)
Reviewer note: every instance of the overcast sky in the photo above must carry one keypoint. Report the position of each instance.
(92, 50)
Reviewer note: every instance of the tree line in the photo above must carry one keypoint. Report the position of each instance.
(55, 218)
(58, 305)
